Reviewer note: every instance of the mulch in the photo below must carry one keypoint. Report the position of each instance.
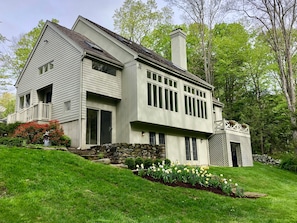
(251, 195)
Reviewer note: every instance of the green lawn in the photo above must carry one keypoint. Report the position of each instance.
(56, 186)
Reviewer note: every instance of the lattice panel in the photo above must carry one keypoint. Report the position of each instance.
(217, 150)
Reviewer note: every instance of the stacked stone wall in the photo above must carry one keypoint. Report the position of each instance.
(119, 152)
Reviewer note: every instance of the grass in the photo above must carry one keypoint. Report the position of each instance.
(56, 186)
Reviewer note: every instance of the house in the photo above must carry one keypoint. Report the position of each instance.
(104, 88)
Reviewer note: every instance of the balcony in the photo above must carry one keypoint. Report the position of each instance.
(37, 112)
(232, 126)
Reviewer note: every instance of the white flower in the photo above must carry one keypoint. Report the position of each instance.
(236, 185)
(137, 166)
(142, 166)
(230, 180)
(221, 175)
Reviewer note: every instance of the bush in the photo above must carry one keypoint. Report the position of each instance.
(289, 162)
(9, 141)
(33, 133)
(8, 128)
(147, 163)
(157, 161)
(167, 162)
(138, 161)
(130, 162)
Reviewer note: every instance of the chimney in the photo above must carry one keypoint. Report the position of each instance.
(178, 48)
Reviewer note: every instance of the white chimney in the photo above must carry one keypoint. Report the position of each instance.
(178, 48)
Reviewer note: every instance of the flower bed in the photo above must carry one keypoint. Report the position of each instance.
(191, 177)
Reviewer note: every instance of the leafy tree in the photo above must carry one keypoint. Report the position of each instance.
(4, 75)
(278, 22)
(23, 47)
(205, 14)
(136, 19)
(7, 100)
(230, 49)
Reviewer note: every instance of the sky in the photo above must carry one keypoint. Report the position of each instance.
(18, 17)
(21, 16)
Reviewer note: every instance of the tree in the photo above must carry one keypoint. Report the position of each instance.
(7, 100)
(4, 75)
(277, 20)
(205, 14)
(136, 19)
(23, 47)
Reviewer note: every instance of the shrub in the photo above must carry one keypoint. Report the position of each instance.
(33, 133)
(289, 162)
(157, 161)
(130, 162)
(147, 163)
(138, 161)
(167, 162)
(9, 141)
(8, 128)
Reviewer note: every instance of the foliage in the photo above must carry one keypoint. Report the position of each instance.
(289, 162)
(34, 132)
(138, 160)
(8, 129)
(192, 175)
(23, 47)
(136, 19)
(7, 100)
(130, 162)
(11, 141)
(147, 163)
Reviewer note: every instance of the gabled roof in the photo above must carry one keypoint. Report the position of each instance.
(87, 45)
(149, 55)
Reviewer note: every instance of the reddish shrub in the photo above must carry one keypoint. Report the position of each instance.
(34, 132)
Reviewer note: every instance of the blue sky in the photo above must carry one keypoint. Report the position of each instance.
(20, 16)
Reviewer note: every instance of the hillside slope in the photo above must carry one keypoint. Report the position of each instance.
(56, 186)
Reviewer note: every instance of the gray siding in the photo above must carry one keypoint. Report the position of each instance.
(101, 83)
(65, 76)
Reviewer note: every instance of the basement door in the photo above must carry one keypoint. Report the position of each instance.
(98, 130)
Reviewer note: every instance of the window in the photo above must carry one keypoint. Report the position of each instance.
(160, 98)
(149, 74)
(25, 101)
(103, 67)
(155, 95)
(188, 149)
(152, 138)
(28, 100)
(194, 149)
(154, 76)
(166, 99)
(194, 154)
(175, 101)
(149, 94)
(46, 67)
(67, 106)
(161, 138)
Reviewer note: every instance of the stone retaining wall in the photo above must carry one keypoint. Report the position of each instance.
(265, 159)
(118, 152)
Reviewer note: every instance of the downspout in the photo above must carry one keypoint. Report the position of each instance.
(80, 99)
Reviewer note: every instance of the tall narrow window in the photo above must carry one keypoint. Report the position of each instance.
(152, 138)
(186, 104)
(205, 110)
(27, 100)
(188, 149)
(194, 107)
(149, 94)
(194, 149)
(198, 108)
(175, 100)
(166, 99)
(155, 95)
(161, 138)
(171, 100)
(160, 98)
(202, 109)
(190, 106)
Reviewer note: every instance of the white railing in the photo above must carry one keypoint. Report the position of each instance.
(37, 112)
(231, 125)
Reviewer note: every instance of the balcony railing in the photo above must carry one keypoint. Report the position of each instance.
(37, 112)
(232, 126)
